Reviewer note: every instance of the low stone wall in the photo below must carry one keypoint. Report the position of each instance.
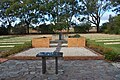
(76, 42)
(40, 42)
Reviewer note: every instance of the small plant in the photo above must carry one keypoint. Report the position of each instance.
(75, 36)
(111, 55)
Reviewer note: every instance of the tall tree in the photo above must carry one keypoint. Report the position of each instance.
(95, 10)
(71, 8)
(7, 13)
(116, 4)
(113, 26)
(63, 11)
(27, 11)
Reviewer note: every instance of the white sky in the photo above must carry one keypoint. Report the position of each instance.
(105, 17)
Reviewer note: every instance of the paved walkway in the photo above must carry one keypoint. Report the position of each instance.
(68, 70)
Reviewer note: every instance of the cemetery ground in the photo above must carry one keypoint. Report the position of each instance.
(67, 69)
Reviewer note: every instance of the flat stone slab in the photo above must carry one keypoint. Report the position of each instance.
(7, 46)
(112, 43)
(13, 43)
(107, 40)
(66, 51)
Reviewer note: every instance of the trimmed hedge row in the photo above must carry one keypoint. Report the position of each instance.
(16, 49)
(109, 53)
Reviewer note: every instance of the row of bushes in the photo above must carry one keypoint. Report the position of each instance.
(108, 53)
(16, 49)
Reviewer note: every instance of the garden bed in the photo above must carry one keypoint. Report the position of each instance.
(110, 52)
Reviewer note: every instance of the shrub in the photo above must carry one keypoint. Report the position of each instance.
(20, 28)
(45, 28)
(83, 28)
(3, 30)
(113, 26)
(109, 53)
(17, 49)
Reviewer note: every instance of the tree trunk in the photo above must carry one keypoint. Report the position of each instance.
(27, 23)
(9, 27)
(68, 30)
(27, 29)
(98, 22)
(97, 28)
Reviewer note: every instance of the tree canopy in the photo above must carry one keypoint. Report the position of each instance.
(113, 26)
(52, 11)
(95, 10)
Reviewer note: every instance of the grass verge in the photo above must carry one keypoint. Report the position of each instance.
(16, 49)
(111, 52)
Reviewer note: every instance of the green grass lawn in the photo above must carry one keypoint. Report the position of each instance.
(17, 47)
(115, 47)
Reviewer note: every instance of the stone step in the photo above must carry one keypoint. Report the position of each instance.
(56, 41)
(55, 45)
(8, 46)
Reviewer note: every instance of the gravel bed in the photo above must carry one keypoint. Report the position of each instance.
(66, 51)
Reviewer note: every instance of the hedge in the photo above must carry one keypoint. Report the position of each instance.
(108, 53)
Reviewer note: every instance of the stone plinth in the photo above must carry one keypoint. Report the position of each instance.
(40, 42)
(76, 42)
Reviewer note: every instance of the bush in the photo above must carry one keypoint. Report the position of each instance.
(45, 28)
(17, 49)
(3, 30)
(113, 26)
(83, 28)
(111, 55)
(19, 29)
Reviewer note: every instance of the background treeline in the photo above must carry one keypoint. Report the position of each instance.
(113, 26)
(49, 16)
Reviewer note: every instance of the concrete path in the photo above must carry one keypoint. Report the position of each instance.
(68, 70)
